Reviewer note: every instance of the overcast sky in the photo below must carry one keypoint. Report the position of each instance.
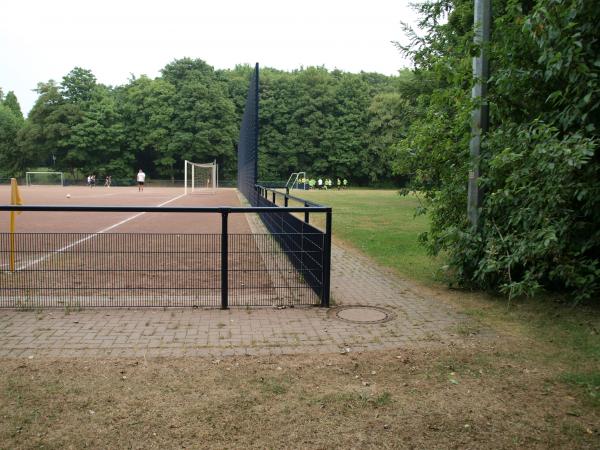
(45, 39)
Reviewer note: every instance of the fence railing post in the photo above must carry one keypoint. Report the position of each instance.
(306, 214)
(286, 200)
(327, 261)
(224, 260)
(273, 196)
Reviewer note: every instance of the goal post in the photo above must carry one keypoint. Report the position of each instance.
(200, 178)
(44, 178)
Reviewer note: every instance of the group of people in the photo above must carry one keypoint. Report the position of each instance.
(91, 180)
(141, 178)
(320, 183)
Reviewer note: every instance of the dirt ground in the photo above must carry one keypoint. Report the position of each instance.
(85, 222)
(443, 397)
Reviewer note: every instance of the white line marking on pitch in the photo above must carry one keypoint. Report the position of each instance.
(104, 230)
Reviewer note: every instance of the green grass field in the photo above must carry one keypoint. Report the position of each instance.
(382, 224)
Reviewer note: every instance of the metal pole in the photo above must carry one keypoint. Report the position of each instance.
(224, 262)
(185, 176)
(480, 115)
(193, 177)
(326, 261)
(306, 214)
(214, 174)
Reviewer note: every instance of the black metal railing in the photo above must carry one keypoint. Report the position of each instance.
(307, 247)
(289, 265)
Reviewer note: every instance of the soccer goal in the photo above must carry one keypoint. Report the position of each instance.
(201, 178)
(44, 179)
(297, 180)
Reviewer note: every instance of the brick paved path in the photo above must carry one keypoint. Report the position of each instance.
(187, 332)
(355, 280)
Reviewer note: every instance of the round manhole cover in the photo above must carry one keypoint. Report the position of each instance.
(363, 314)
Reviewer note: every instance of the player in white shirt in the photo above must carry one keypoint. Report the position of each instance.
(141, 178)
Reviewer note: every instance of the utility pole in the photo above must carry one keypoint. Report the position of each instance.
(480, 115)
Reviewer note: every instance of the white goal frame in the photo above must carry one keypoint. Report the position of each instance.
(28, 177)
(189, 175)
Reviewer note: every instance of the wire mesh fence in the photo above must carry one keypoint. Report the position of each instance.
(306, 247)
(110, 269)
(42, 270)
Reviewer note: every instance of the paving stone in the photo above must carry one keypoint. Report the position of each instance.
(356, 280)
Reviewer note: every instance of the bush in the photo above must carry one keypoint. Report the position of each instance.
(540, 169)
(539, 219)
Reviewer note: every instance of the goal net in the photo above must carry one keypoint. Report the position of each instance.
(201, 178)
(44, 179)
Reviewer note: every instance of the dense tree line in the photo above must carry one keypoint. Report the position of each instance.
(540, 165)
(327, 123)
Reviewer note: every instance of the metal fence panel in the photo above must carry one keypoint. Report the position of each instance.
(304, 245)
(110, 270)
(282, 267)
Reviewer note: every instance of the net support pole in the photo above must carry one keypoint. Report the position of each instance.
(214, 174)
(224, 262)
(185, 167)
(12, 241)
(326, 261)
(15, 199)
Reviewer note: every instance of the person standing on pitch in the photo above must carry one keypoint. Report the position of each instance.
(141, 178)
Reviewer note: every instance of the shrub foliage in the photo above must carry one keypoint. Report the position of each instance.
(540, 217)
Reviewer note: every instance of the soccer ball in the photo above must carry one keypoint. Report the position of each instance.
(68, 195)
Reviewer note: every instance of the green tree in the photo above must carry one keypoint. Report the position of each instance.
(11, 122)
(390, 114)
(78, 86)
(348, 149)
(204, 125)
(98, 136)
(11, 102)
(48, 128)
(146, 111)
(10, 161)
(296, 114)
(539, 219)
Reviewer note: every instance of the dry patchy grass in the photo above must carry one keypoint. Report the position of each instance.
(449, 397)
